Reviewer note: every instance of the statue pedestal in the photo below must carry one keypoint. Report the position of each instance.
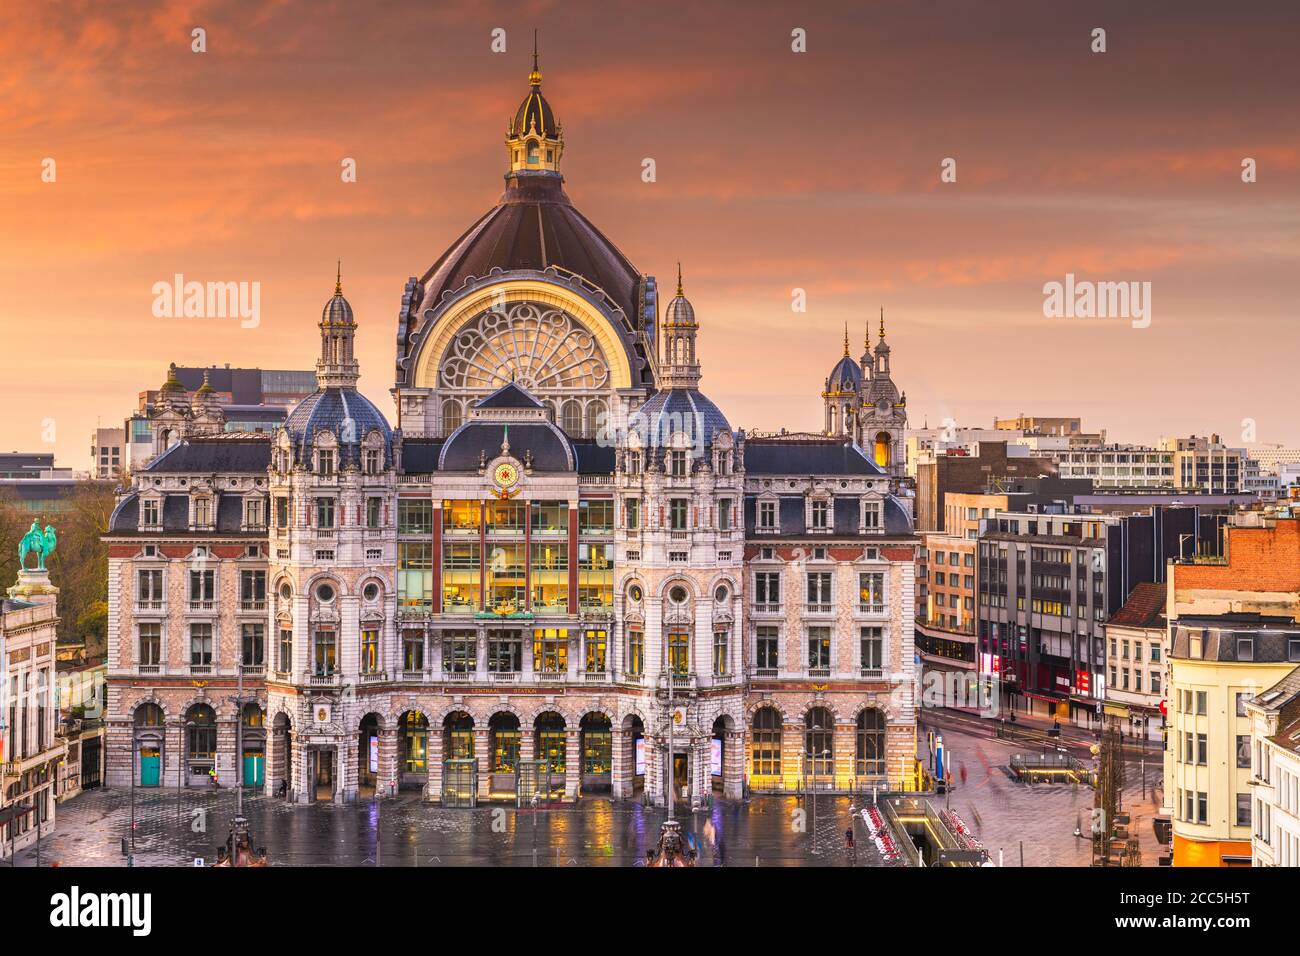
(34, 587)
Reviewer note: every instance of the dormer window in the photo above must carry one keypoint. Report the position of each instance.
(767, 515)
(677, 463)
(871, 515)
(533, 156)
(202, 512)
(723, 466)
(151, 513)
(819, 514)
(372, 461)
(253, 512)
(633, 463)
(325, 462)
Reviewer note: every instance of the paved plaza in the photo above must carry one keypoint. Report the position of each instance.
(764, 830)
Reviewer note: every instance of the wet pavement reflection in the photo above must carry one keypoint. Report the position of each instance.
(172, 831)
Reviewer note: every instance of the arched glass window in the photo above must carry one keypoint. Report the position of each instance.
(595, 418)
(533, 155)
(148, 715)
(883, 446)
(503, 729)
(550, 741)
(571, 419)
(201, 722)
(818, 743)
(871, 743)
(413, 732)
(458, 739)
(766, 744)
(450, 416)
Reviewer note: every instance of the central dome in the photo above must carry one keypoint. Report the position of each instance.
(534, 227)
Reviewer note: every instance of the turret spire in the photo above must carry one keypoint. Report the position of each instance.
(338, 278)
(846, 340)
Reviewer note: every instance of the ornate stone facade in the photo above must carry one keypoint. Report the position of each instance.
(563, 572)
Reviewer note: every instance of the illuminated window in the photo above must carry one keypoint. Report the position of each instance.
(766, 746)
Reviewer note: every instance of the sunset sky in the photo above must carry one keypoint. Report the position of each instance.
(775, 171)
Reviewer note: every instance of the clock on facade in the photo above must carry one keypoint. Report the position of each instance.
(505, 474)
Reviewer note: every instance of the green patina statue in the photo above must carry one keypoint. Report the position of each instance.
(40, 543)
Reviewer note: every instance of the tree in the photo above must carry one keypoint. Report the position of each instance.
(12, 527)
(79, 566)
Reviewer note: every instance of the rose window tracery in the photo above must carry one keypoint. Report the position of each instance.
(539, 348)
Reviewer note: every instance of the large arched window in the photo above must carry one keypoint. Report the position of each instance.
(571, 419)
(537, 347)
(451, 417)
(550, 740)
(503, 729)
(595, 418)
(871, 743)
(766, 744)
(883, 449)
(201, 721)
(819, 742)
(458, 739)
(413, 737)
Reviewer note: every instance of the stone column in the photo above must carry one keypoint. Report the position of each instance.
(733, 764)
(483, 753)
(655, 757)
(433, 763)
(622, 763)
(386, 779)
(844, 744)
(274, 761)
(572, 763)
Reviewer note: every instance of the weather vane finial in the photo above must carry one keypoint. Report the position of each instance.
(535, 77)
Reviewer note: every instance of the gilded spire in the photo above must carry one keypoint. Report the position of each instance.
(338, 279)
(846, 340)
(679, 277)
(882, 321)
(535, 77)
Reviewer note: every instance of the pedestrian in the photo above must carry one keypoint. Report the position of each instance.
(284, 787)
(962, 771)
(848, 838)
(212, 773)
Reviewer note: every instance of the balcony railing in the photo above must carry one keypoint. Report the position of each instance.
(199, 670)
(203, 605)
(457, 677)
(818, 608)
(595, 677)
(378, 677)
(630, 678)
(503, 677)
(146, 607)
(149, 668)
(415, 675)
(866, 607)
(248, 606)
(767, 608)
(873, 673)
(256, 670)
(819, 672)
(323, 680)
(766, 672)
(552, 677)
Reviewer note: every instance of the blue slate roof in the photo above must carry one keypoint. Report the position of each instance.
(176, 514)
(812, 456)
(208, 455)
(846, 376)
(844, 516)
(420, 455)
(334, 409)
(678, 410)
(550, 448)
(509, 395)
